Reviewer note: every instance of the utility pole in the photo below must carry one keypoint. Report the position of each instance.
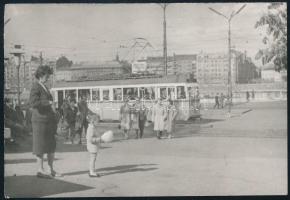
(164, 5)
(229, 51)
(230, 68)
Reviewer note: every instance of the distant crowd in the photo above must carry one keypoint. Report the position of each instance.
(17, 119)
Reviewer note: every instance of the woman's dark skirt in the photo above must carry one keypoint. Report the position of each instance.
(43, 137)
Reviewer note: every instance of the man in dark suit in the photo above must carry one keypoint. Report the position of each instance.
(70, 114)
(83, 111)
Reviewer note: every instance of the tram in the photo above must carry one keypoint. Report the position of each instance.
(106, 97)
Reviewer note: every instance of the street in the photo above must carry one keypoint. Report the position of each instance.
(242, 155)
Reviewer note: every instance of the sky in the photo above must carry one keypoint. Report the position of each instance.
(95, 32)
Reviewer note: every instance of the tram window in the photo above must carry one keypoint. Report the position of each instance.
(171, 93)
(117, 94)
(84, 93)
(131, 93)
(106, 95)
(163, 93)
(70, 94)
(95, 94)
(180, 92)
(190, 91)
(147, 93)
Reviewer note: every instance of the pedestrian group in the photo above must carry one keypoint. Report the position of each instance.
(77, 118)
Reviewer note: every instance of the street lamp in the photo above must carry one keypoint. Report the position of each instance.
(229, 41)
(18, 52)
(164, 5)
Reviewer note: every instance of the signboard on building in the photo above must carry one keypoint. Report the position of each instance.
(139, 67)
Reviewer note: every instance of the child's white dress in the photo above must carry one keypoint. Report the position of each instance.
(92, 132)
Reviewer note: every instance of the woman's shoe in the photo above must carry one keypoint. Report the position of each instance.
(94, 175)
(55, 174)
(43, 175)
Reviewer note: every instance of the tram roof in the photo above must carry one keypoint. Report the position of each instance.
(162, 80)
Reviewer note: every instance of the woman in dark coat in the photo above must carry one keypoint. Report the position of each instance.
(44, 124)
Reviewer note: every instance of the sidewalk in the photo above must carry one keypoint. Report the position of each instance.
(245, 155)
(189, 166)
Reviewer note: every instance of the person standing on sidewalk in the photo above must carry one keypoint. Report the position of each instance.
(93, 137)
(216, 101)
(170, 119)
(222, 98)
(248, 96)
(70, 115)
(83, 111)
(253, 94)
(125, 118)
(44, 123)
(135, 117)
(142, 119)
(159, 116)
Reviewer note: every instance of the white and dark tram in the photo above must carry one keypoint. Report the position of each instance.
(106, 97)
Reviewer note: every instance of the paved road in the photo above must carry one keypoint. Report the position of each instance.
(234, 157)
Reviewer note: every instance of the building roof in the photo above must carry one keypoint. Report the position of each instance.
(159, 59)
(96, 65)
(185, 57)
(165, 79)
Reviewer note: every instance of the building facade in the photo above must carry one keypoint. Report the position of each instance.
(85, 71)
(155, 65)
(184, 64)
(27, 71)
(176, 64)
(213, 68)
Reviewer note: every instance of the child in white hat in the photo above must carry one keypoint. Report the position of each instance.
(93, 142)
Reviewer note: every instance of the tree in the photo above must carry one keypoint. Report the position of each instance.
(275, 21)
(63, 62)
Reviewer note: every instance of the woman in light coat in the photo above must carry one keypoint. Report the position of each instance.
(125, 118)
(159, 116)
(171, 114)
(135, 111)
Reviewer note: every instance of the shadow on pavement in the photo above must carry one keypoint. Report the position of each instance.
(22, 161)
(207, 121)
(74, 147)
(25, 145)
(116, 169)
(31, 186)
